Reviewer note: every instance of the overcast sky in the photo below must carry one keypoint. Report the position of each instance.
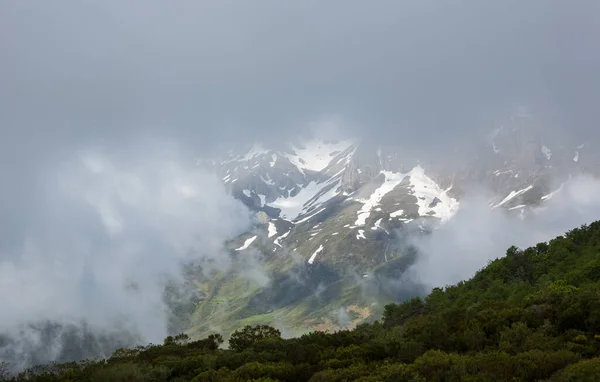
(109, 72)
(116, 97)
(217, 69)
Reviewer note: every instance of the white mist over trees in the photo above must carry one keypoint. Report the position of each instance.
(111, 232)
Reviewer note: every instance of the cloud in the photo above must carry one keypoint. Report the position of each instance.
(229, 71)
(477, 234)
(95, 214)
(110, 232)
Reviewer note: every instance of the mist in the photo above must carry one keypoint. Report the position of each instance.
(105, 104)
(108, 234)
(477, 234)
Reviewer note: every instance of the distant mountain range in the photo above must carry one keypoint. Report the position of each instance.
(331, 218)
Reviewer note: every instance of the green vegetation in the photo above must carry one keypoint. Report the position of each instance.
(533, 315)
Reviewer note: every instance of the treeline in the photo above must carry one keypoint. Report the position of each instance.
(533, 315)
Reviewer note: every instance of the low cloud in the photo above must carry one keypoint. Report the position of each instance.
(477, 234)
(111, 231)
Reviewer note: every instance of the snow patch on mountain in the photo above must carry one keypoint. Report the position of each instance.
(293, 206)
(390, 182)
(499, 172)
(272, 230)
(315, 154)
(256, 150)
(314, 255)
(550, 195)
(518, 207)
(321, 198)
(432, 200)
(348, 157)
(512, 195)
(378, 226)
(308, 198)
(310, 216)
(330, 189)
(247, 243)
(276, 242)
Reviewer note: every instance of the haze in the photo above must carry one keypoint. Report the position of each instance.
(104, 105)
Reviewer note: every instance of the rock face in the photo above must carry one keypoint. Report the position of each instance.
(359, 191)
(324, 208)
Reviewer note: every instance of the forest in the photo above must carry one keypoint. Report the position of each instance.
(531, 315)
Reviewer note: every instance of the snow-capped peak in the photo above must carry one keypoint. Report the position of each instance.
(315, 155)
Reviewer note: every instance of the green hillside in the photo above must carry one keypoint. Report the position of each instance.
(532, 315)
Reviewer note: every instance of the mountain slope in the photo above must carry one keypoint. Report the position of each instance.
(333, 218)
(531, 315)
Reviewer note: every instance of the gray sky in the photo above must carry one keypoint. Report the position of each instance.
(88, 88)
(213, 70)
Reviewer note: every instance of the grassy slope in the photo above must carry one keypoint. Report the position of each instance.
(230, 300)
(532, 315)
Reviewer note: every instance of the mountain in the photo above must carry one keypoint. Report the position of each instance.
(532, 315)
(311, 193)
(334, 218)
